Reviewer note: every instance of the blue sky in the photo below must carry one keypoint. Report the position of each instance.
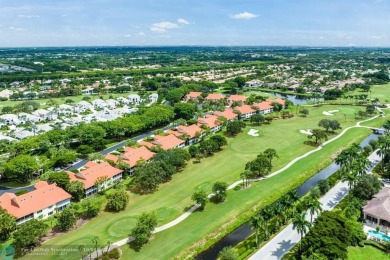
(194, 22)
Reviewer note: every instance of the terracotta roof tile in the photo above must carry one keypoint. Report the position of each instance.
(167, 142)
(227, 113)
(93, 172)
(132, 155)
(42, 197)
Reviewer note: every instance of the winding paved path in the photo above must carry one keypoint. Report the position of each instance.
(233, 185)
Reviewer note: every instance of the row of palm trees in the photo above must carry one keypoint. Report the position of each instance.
(353, 163)
(283, 210)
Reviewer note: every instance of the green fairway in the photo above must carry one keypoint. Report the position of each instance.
(381, 92)
(201, 224)
(173, 198)
(366, 253)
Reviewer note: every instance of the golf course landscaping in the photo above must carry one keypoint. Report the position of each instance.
(174, 197)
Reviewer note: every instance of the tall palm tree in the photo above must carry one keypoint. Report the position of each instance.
(314, 206)
(351, 178)
(257, 222)
(301, 225)
(361, 164)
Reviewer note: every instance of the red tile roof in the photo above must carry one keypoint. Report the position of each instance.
(146, 144)
(209, 120)
(167, 142)
(277, 100)
(190, 130)
(245, 109)
(193, 95)
(42, 197)
(213, 96)
(93, 172)
(263, 105)
(233, 98)
(227, 113)
(132, 155)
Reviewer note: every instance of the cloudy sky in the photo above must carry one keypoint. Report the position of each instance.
(194, 22)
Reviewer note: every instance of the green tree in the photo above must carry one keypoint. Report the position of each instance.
(304, 112)
(67, 219)
(318, 135)
(143, 229)
(261, 166)
(227, 253)
(219, 190)
(301, 225)
(7, 224)
(235, 127)
(314, 206)
(28, 235)
(193, 150)
(270, 153)
(184, 110)
(200, 197)
(76, 189)
(257, 119)
(257, 222)
(59, 178)
(21, 168)
(118, 200)
(366, 186)
(219, 140)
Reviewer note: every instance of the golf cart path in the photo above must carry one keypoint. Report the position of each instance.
(233, 185)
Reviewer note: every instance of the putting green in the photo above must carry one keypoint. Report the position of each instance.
(346, 110)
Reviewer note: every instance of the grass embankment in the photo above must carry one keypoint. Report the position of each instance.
(173, 198)
(366, 253)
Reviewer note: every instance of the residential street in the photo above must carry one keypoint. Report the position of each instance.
(287, 238)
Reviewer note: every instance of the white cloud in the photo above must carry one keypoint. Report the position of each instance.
(321, 37)
(12, 28)
(244, 15)
(163, 26)
(127, 35)
(182, 21)
(376, 37)
(28, 16)
(141, 34)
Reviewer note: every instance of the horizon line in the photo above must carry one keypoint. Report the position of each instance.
(197, 45)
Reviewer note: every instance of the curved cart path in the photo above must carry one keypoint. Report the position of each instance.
(233, 185)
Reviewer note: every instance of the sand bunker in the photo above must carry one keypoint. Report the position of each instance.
(308, 132)
(253, 132)
(329, 113)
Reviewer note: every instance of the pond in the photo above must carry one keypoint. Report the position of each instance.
(297, 99)
(244, 231)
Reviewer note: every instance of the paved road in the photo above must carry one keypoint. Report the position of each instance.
(13, 190)
(81, 163)
(283, 242)
(115, 147)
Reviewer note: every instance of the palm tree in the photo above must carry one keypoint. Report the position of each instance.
(361, 164)
(245, 177)
(257, 222)
(301, 225)
(314, 206)
(351, 178)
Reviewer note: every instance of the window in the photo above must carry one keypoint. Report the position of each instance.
(39, 212)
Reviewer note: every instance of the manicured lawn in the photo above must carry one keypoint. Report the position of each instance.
(366, 253)
(169, 243)
(173, 198)
(382, 92)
